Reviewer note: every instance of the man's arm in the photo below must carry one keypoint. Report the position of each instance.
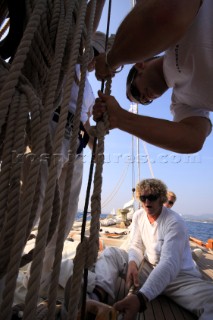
(152, 27)
(186, 136)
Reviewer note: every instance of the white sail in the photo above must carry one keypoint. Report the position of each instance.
(129, 204)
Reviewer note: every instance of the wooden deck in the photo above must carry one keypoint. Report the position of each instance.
(159, 309)
(205, 262)
(162, 308)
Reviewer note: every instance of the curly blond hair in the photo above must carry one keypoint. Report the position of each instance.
(153, 186)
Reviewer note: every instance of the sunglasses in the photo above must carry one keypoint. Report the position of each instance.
(150, 197)
(135, 92)
(170, 202)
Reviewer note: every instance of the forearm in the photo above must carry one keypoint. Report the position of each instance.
(183, 137)
(159, 278)
(152, 26)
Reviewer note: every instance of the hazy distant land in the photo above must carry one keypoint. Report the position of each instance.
(201, 218)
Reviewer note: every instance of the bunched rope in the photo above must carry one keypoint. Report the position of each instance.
(31, 89)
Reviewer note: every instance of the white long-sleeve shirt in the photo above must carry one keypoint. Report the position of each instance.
(165, 244)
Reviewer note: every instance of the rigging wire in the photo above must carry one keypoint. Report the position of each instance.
(148, 159)
(116, 188)
(133, 163)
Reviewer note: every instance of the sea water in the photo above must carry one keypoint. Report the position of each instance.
(202, 230)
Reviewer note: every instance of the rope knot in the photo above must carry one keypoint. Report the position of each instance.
(101, 129)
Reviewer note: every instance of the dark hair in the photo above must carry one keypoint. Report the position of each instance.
(130, 75)
(133, 69)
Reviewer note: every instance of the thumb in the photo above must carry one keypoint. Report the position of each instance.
(119, 306)
(101, 95)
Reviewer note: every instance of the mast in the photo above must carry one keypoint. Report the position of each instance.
(133, 167)
(135, 110)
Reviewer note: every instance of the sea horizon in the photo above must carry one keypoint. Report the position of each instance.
(199, 226)
(200, 218)
(208, 217)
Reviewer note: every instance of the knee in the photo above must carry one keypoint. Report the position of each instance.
(110, 252)
(113, 254)
(115, 257)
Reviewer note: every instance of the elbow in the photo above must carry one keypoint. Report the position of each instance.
(194, 147)
(193, 132)
(195, 142)
(190, 147)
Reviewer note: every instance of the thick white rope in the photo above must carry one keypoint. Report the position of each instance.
(73, 149)
(41, 104)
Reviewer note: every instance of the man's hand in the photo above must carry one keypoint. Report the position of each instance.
(110, 105)
(102, 69)
(132, 275)
(129, 306)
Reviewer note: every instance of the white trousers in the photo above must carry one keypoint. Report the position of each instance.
(187, 290)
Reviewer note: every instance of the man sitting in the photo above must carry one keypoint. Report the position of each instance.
(158, 260)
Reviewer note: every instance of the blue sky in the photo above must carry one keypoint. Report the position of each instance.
(189, 176)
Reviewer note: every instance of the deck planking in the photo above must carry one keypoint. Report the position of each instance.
(163, 308)
(205, 262)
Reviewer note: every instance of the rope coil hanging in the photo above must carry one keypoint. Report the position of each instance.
(19, 237)
(87, 250)
(43, 64)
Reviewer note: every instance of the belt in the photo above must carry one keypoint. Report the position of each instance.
(56, 114)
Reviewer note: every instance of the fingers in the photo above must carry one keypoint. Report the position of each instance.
(103, 96)
(98, 109)
(102, 70)
(128, 306)
(100, 106)
(119, 306)
(129, 281)
(105, 76)
(132, 275)
(135, 279)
